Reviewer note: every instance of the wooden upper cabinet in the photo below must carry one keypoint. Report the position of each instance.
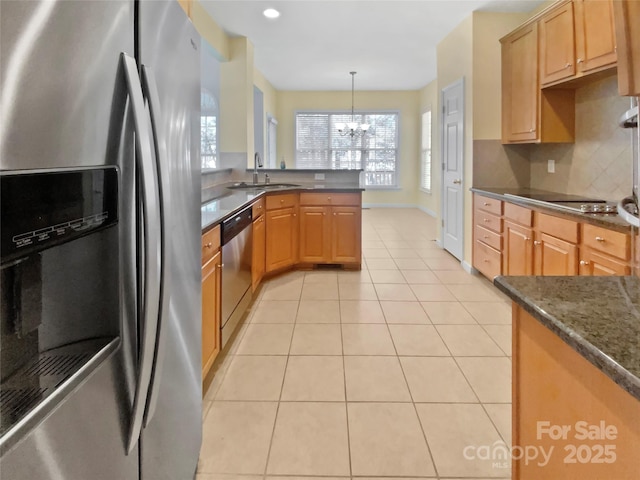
(520, 85)
(627, 29)
(557, 44)
(595, 35)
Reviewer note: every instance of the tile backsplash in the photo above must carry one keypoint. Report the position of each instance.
(598, 164)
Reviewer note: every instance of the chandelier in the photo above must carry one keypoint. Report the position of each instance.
(352, 128)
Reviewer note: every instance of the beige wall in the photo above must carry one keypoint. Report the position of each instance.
(270, 96)
(236, 100)
(209, 30)
(405, 102)
(429, 99)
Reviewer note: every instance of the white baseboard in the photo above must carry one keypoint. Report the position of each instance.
(439, 243)
(468, 268)
(389, 205)
(427, 211)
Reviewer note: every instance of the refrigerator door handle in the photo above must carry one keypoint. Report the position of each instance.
(151, 90)
(151, 220)
(626, 215)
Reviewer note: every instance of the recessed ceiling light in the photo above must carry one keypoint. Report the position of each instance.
(271, 13)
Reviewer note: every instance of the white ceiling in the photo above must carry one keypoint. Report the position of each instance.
(315, 44)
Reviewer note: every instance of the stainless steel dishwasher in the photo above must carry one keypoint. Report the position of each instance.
(236, 270)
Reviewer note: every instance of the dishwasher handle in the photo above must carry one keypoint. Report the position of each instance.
(236, 224)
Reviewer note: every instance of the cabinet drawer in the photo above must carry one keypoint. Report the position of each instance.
(614, 243)
(282, 201)
(330, 199)
(518, 214)
(487, 236)
(487, 204)
(488, 220)
(257, 208)
(210, 243)
(487, 260)
(558, 227)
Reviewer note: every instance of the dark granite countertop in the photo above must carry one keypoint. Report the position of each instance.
(229, 201)
(597, 316)
(611, 220)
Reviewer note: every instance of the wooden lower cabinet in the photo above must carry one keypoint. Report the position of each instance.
(281, 238)
(554, 256)
(595, 263)
(554, 384)
(259, 246)
(315, 232)
(211, 297)
(346, 234)
(518, 250)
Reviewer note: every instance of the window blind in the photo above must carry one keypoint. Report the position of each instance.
(425, 157)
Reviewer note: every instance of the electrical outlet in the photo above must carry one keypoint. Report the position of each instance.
(551, 166)
(319, 176)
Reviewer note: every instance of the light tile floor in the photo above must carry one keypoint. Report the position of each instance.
(387, 372)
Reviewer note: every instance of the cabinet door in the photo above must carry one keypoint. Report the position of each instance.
(557, 45)
(211, 272)
(346, 228)
(258, 255)
(518, 250)
(556, 257)
(282, 238)
(594, 263)
(626, 14)
(595, 35)
(315, 228)
(520, 85)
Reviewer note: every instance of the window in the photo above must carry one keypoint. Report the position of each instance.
(272, 126)
(319, 145)
(208, 130)
(425, 152)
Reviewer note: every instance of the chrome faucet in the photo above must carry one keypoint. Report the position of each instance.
(257, 162)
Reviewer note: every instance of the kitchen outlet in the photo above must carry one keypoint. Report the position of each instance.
(319, 176)
(551, 166)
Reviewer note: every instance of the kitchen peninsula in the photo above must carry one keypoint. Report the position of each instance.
(576, 366)
(288, 225)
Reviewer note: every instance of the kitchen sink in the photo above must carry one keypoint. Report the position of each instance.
(262, 186)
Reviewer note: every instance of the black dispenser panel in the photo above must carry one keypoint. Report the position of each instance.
(39, 210)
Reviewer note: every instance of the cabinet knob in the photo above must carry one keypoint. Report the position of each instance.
(531, 130)
(486, 261)
(584, 262)
(323, 214)
(568, 65)
(527, 239)
(486, 220)
(580, 60)
(220, 265)
(486, 204)
(599, 239)
(537, 242)
(294, 214)
(329, 198)
(209, 245)
(281, 200)
(334, 213)
(486, 236)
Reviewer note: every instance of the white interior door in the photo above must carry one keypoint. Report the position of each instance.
(453, 167)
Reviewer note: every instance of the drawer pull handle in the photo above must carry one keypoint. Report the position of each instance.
(209, 245)
(220, 265)
(527, 239)
(486, 204)
(486, 220)
(584, 262)
(537, 242)
(599, 239)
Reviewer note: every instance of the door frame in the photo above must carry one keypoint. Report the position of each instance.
(455, 83)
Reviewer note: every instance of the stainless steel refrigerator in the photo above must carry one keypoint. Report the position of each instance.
(100, 172)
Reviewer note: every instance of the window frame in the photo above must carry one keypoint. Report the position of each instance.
(396, 185)
(424, 189)
(210, 113)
